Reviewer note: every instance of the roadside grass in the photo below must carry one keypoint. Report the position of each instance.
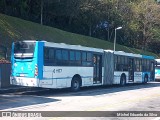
(15, 29)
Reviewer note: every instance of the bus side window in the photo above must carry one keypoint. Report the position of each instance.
(51, 54)
(47, 59)
(78, 58)
(72, 58)
(86, 58)
(46, 53)
(65, 55)
(72, 55)
(89, 59)
(58, 55)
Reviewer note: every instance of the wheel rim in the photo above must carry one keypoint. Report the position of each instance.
(75, 84)
(145, 79)
(123, 81)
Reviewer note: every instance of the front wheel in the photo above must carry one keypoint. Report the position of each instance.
(75, 84)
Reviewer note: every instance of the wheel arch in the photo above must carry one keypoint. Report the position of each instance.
(123, 75)
(122, 83)
(79, 78)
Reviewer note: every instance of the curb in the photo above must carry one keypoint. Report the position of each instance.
(13, 89)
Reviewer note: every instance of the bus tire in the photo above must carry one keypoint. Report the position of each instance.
(145, 79)
(75, 84)
(123, 80)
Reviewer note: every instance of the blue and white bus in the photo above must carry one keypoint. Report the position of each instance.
(59, 65)
(157, 70)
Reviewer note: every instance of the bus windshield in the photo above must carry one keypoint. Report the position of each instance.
(24, 49)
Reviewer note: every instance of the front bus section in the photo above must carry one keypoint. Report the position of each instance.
(71, 66)
(26, 62)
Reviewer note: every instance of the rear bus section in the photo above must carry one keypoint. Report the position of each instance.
(25, 58)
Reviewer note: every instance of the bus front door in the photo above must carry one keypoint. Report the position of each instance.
(97, 69)
(131, 69)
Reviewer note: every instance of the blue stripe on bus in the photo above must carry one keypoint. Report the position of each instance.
(40, 60)
(147, 57)
(12, 59)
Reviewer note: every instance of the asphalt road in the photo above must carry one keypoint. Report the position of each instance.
(120, 100)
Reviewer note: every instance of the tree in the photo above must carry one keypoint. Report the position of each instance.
(146, 14)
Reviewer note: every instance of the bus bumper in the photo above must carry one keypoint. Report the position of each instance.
(23, 81)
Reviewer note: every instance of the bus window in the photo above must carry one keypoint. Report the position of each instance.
(78, 55)
(58, 55)
(24, 49)
(72, 55)
(86, 59)
(64, 54)
(137, 65)
(46, 53)
(89, 56)
(51, 54)
(48, 56)
(84, 56)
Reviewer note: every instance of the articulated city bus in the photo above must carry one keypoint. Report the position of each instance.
(59, 65)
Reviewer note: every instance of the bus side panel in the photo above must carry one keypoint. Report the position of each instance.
(40, 60)
(138, 77)
(61, 76)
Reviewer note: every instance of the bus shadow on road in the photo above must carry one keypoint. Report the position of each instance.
(100, 90)
(93, 91)
(90, 91)
(10, 101)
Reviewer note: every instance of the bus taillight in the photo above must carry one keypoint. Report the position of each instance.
(36, 70)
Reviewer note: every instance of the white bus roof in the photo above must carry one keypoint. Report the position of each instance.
(76, 47)
(124, 53)
(130, 54)
(79, 47)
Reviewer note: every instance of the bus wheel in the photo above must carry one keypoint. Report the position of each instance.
(145, 79)
(75, 84)
(123, 80)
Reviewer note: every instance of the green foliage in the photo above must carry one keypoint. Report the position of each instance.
(139, 19)
(16, 29)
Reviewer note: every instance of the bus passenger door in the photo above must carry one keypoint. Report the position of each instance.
(131, 69)
(152, 69)
(97, 69)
